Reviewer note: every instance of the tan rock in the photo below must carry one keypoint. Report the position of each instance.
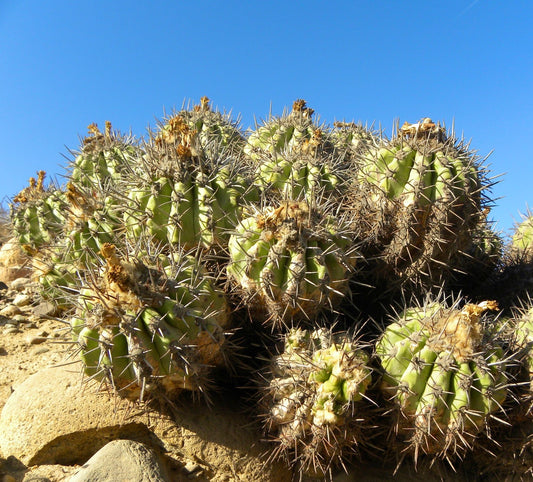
(10, 311)
(51, 418)
(22, 299)
(122, 460)
(20, 284)
(13, 262)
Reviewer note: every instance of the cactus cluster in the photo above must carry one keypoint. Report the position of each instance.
(175, 255)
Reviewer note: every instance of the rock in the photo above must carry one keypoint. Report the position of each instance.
(122, 460)
(22, 299)
(20, 284)
(45, 309)
(41, 350)
(36, 340)
(11, 470)
(10, 311)
(10, 330)
(51, 418)
(14, 263)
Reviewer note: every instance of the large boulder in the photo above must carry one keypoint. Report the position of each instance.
(53, 418)
(13, 262)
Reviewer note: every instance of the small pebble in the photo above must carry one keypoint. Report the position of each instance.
(11, 330)
(19, 319)
(10, 311)
(191, 467)
(22, 299)
(44, 309)
(41, 350)
(20, 284)
(36, 340)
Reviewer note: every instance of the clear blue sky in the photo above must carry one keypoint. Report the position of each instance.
(65, 64)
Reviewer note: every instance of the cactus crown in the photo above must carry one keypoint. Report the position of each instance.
(459, 332)
(34, 191)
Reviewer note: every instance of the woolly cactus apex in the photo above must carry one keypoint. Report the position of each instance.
(290, 262)
(151, 327)
(293, 157)
(312, 398)
(103, 158)
(38, 214)
(352, 138)
(208, 133)
(417, 200)
(445, 374)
